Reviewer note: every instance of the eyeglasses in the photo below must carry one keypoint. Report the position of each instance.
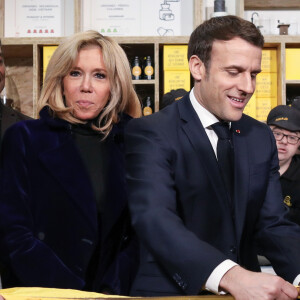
(291, 139)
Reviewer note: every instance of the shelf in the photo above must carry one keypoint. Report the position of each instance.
(293, 82)
(26, 54)
(152, 81)
(271, 4)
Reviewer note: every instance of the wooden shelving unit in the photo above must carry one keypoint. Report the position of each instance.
(279, 42)
(26, 55)
(271, 4)
(28, 51)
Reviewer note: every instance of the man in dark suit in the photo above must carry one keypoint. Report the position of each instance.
(199, 224)
(8, 115)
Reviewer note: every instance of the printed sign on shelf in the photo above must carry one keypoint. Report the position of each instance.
(136, 17)
(33, 18)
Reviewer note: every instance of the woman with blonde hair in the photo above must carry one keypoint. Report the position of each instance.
(64, 219)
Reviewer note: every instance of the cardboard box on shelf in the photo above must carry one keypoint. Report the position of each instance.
(47, 53)
(175, 58)
(250, 108)
(292, 63)
(174, 80)
(269, 61)
(263, 107)
(266, 85)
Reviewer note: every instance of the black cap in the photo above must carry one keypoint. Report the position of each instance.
(172, 96)
(285, 117)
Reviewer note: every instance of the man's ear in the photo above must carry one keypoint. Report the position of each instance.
(197, 67)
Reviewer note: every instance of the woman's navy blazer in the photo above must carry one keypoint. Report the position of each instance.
(48, 215)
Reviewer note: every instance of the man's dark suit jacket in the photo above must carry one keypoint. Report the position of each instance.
(186, 225)
(9, 116)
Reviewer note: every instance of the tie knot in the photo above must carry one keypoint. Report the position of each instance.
(222, 130)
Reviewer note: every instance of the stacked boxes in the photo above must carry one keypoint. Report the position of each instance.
(176, 68)
(265, 96)
(250, 108)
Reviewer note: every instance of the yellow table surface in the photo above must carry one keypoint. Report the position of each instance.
(32, 293)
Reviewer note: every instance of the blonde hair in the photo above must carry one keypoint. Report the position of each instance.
(123, 97)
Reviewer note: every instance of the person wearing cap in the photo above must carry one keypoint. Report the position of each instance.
(171, 97)
(8, 115)
(284, 122)
(296, 104)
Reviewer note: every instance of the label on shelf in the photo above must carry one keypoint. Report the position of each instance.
(136, 71)
(263, 107)
(175, 57)
(147, 111)
(27, 18)
(148, 70)
(266, 85)
(138, 18)
(250, 108)
(174, 80)
(269, 61)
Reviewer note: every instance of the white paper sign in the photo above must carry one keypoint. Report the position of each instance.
(33, 18)
(112, 17)
(137, 17)
(162, 18)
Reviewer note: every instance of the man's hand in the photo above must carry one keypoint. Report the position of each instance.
(243, 284)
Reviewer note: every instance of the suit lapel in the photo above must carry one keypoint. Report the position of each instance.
(197, 136)
(65, 164)
(241, 174)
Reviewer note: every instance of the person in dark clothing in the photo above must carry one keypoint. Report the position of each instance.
(171, 97)
(63, 203)
(296, 104)
(285, 124)
(8, 115)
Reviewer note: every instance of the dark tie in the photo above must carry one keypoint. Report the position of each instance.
(225, 154)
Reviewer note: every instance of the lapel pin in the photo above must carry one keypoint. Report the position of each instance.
(237, 131)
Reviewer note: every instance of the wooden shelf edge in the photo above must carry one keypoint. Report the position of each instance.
(282, 39)
(120, 39)
(143, 81)
(138, 40)
(271, 4)
(293, 82)
(31, 41)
